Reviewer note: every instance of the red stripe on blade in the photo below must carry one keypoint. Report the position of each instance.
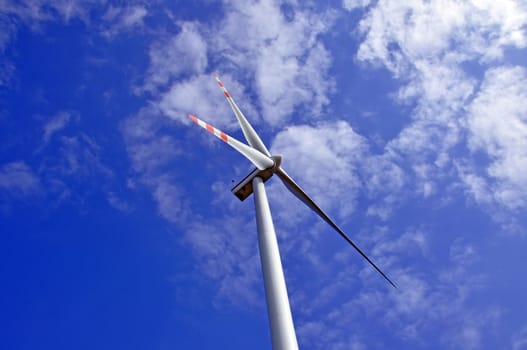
(224, 136)
(194, 119)
(210, 128)
(220, 83)
(227, 94)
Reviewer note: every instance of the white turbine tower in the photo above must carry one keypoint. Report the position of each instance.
(279, 312)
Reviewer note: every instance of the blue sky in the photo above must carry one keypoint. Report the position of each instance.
(406, 121)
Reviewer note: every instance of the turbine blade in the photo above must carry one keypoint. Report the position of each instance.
(250, 135)
(261, 161)
(300, 194)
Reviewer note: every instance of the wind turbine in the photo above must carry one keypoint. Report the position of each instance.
(279, 312)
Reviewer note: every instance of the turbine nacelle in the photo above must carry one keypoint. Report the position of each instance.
(244, 188)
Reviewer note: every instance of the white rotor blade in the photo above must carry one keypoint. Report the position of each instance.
(260, 160)
(300, 194)
(250, 135)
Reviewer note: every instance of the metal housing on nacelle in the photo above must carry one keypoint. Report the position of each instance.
(244, 188)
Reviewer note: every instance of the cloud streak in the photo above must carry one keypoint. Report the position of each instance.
(497, 122)
(17, 180)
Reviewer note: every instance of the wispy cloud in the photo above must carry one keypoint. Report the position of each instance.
(325, 159)
(122, 18)
(287, 59)
(33, 12)
(55, 124)
(449, 100)
(200, 95)
(62, 164)
(118, 203)
(14, 14)
(284, 54)
(351, 5)
(399, 34)
(497, 121)
(152, 151)
(184, 53)
(18, 180)
(226, 251)
(421, 305)
(519, 340)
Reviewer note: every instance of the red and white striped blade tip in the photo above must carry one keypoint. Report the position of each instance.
(260, 160)
(194, 118)
(248, 131)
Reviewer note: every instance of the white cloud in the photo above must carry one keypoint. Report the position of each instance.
(396, 37)
(497, 122)
(118, 203)
(201, 96)
(69, 9)
(226, 251)
(152, 151)
(55, 124)
(68, 164)
(78, 157)
(351, 5)
(7, 30)
(398, 34)
(420, 306)
(476, 185)
(383, 181)
(462, 253)
(519, 340)
(168, 198)
(185, 53)
(283, 53)
(324, 160)
(36, 13)
(414, 240)
(7, 70)
(440, 93)
(149, 148)
(33, 13)
(18, 180)
(121, 18)
(76, 167)
(133, 16)
(285, 83)
(427, 45)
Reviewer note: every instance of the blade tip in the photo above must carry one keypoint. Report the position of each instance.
(194, 119)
